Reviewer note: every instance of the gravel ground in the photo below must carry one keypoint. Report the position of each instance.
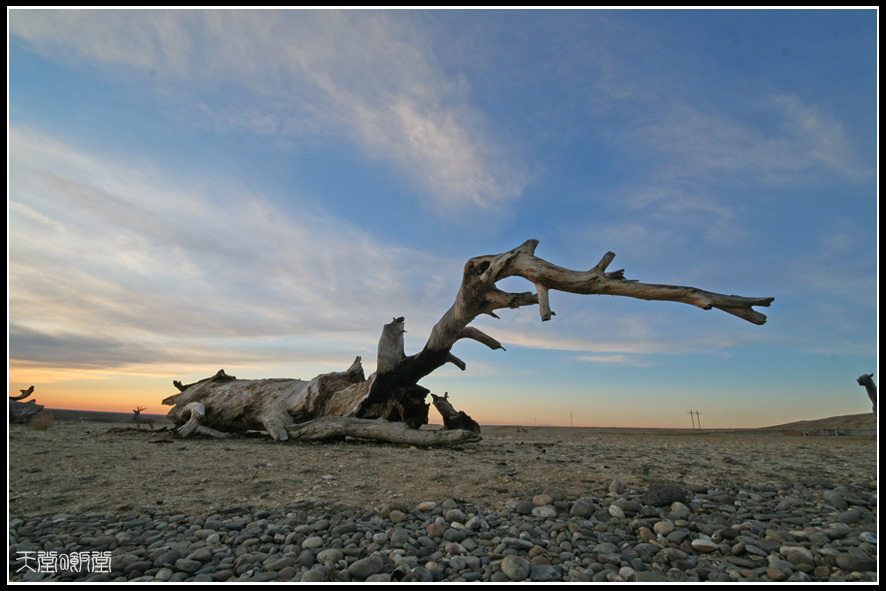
(767, 509)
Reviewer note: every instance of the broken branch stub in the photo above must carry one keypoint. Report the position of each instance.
(867, 380)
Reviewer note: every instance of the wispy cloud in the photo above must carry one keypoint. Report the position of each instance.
(818, 141)
(630, 360)
(137, 259)
(367, 76)
(694, 155)
(704, 144)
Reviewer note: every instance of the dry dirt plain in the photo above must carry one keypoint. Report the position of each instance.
(87, 467)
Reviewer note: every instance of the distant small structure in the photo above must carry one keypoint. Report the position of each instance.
(139, 420)
(867, 380)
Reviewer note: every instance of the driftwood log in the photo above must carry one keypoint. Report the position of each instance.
(867, 380)
(391, 399)
(22, 412)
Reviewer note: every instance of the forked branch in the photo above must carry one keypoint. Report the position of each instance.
(479, 294)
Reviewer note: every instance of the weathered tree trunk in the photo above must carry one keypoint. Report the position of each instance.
(393, 393)
(22, 412)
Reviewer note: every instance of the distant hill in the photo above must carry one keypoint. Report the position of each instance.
(95, 416)
(866, 420)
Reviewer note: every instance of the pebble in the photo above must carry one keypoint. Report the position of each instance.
(705, 545)
(516, 567)
(732, 533)
(616, 511)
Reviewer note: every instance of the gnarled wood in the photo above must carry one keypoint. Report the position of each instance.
(867, 380)
(453, 419)
(232, 405)
(24, 394)
(479, 295)
(393, 393)
(22, 412)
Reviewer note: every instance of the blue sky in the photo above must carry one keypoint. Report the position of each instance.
(263, 190)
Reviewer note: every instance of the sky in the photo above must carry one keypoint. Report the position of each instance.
(262, 190)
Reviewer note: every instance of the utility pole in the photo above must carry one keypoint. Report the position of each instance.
(699, 418)
(693, 419)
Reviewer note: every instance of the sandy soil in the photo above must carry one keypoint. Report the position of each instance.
(84, 467)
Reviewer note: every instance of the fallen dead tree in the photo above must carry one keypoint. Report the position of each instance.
(391, 400)
(22, 412)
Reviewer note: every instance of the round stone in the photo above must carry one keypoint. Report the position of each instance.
(797, 555)
(454, 515)
(663, 527)
(542, 499)
(525, 507)
(366, 567)
(545, 512)
(329, 556)
(856, 560)
(315, 575)
(516, 568)
(543, 573)
(705, 545)
(312, 542)
(581, 508)
(397, 516)
(660, 495)
(617, 487)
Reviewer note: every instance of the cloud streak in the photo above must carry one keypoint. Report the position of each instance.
(368, 76)
(103, 252)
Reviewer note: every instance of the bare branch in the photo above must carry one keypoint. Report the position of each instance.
(479, 295)
(469, 332)
(24, 394)
(450, 358)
